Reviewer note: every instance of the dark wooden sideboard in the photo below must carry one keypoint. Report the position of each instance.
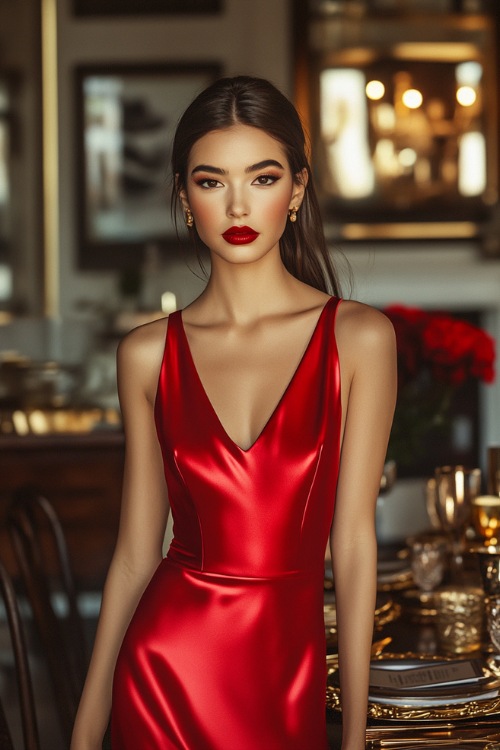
(81, 474)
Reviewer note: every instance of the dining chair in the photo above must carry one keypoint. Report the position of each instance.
(24, 684)
(42, 555)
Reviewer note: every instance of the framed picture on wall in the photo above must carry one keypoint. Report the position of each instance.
(145, 7)
(126, 118)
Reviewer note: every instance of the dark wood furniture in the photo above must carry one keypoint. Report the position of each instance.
(82, 476)
(24, 683)
(32, 521)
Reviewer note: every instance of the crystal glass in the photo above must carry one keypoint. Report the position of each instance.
(455, 489)
(493, 621)
(488, 557)
(428, 562)
(489, 566)
(459, 619)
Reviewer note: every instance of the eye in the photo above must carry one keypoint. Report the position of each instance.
(265, 179)
(208, 183)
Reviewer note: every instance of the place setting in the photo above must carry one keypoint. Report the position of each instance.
(444, 689)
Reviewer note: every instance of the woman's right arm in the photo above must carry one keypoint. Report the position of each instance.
(143, 518)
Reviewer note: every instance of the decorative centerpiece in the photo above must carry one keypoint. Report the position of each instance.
(437, 354)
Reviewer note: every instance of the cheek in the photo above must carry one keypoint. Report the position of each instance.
(276, 210)
(275, 206)
(203, 212)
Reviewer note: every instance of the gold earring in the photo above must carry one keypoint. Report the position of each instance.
(293, 214)
(189, 218)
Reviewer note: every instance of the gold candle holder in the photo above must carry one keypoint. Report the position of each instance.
(486, 518)
(459, 619)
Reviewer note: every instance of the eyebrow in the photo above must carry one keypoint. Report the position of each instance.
(252, 168)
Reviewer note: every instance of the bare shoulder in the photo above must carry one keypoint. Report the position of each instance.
(144, 340)
(366, 324)
(363, 332)
(140, 353)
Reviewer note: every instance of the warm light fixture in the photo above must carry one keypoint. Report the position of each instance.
(344, 129)
(412, 98)
(433, 51)
(375, 90)
(466, 96)
(407, 157)
(472, 164)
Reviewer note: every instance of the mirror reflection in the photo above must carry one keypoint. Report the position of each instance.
(403, 116)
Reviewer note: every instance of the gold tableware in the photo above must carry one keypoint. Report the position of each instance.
(469, 705)
(459, 618)
(456, 487)
(486, 518)
(457, 743)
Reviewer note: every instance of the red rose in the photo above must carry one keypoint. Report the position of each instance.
(450, 350)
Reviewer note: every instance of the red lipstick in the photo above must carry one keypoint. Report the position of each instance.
(240, 235)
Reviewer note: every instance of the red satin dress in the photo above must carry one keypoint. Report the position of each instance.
(226, 650)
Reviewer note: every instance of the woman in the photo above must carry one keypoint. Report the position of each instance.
(273, 403)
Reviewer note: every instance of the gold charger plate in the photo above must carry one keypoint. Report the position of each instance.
(471, 709)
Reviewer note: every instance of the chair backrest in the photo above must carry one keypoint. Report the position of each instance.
(5, 736)
(40, 546)
(26, 701)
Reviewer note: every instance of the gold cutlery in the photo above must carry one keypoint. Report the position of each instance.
(489, 741)
(439, 735)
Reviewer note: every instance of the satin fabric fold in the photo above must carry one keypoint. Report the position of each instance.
(226, 650)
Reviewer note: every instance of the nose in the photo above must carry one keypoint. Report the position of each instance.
(237, 205)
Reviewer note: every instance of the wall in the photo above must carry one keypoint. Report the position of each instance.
(449, 276)
(20, 63)
(251, 36)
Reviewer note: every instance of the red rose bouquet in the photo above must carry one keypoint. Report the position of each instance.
(436, 355)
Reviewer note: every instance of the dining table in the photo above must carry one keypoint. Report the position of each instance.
(461, 713)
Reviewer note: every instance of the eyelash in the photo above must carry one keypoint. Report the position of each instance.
(215, 183)
(274, 178)
(204, 180)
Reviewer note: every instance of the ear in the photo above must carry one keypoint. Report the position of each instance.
(182, 194)
(299, 188)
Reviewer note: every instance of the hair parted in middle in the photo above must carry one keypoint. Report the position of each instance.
(245, 100)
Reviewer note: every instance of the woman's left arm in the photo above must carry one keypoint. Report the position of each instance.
(367, 353)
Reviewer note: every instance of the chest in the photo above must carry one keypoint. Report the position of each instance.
(245, 377)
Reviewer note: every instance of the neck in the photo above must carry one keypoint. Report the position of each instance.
(243, 293)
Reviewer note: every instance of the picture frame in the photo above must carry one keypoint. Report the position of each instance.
(126, 118)
(101, 8)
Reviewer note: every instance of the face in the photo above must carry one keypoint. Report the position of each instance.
(239, 188)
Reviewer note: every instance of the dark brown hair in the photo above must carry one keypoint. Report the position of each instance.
(256, 102)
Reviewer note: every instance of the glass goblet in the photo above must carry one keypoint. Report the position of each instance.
(428, 562)
(455, 489)
(493, 621)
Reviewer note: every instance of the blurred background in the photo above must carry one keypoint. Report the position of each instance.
(401, 102)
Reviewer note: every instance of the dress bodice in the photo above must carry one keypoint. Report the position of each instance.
(264, 511)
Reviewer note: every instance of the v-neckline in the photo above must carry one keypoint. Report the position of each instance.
(281, 399)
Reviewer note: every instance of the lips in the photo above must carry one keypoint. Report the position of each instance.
(240, 235)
